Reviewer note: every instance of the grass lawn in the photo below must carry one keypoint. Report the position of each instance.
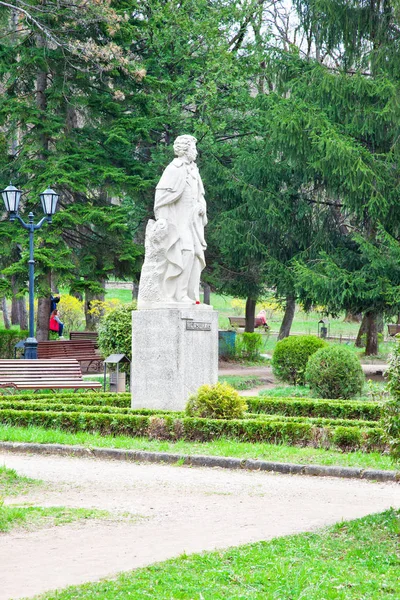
(12, 484)
(221, 447)
(34, 517)
(355, 560)
(37, 517)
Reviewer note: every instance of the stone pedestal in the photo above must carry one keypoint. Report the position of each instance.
(174, 352)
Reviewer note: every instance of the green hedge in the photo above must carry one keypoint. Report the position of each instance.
(307, 407)
(197, 429)
(89, 398)
(8, 339)
(318, 421)
(60, 407)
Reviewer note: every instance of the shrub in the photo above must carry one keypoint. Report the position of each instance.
(391, 409)
(115, 331)
(71, 312)
(307, 407)
(219, 401)
(290, 357)
(335, 372)
(347, 438)
(8, 339)
(248, 345)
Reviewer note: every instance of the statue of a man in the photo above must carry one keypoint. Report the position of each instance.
(180, 211)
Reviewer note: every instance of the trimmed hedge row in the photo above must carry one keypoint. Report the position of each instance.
(196, 429)
(59, 407)
(123, 399)
(291, 407)
(319, 421)
(309, 407)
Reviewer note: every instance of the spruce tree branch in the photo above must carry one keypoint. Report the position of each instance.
(32, 19)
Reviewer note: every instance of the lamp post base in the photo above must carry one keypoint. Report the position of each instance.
(31, 348)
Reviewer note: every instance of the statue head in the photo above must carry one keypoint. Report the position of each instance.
(185, 145)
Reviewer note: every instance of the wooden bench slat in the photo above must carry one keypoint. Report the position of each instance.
(43, 374)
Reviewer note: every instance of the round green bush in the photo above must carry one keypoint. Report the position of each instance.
(115, 331)
(219, 401)
(334, 372)
(290, 357)
(391, 409)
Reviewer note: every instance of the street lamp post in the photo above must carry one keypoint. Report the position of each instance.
(49, 198)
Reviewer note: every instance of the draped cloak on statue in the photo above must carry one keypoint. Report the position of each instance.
(178, 199)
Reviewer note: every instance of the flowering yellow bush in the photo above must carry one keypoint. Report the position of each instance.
(71, 312)
(100, 308)
(239, 306)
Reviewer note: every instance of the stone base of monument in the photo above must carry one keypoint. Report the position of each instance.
(174, 352)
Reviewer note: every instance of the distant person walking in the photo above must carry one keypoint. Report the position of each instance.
(55, 323)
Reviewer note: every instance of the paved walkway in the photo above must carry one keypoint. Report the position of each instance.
(182, 510)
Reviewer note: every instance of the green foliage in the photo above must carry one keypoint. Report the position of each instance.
(391, 409)
(307, 407)
(8, 339)
(115, 331)
(219, 401)
(248, 345)
(347, 438)
(335, 372)
(290, 357)
(174, 426)
(351, 560)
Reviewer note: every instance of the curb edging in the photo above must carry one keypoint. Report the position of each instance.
(198, 460)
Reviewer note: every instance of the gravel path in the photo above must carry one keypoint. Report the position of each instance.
(184, 510)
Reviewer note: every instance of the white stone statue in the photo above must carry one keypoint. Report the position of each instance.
(175, 244)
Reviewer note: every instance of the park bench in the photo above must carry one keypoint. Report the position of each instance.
(84, 351)
(43, 374)
(393, 329)
(241, 322)
(84, 335)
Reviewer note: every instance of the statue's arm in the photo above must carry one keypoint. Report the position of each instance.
(169, 189)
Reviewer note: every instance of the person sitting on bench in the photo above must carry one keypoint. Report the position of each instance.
(55, 323)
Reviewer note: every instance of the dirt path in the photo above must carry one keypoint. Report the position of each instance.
(184, 510)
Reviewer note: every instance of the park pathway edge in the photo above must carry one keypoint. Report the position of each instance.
(198, 460)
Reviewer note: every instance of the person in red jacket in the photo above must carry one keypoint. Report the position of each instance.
(55, 323)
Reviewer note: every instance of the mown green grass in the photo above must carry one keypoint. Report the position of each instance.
(12, 484)
(229, 448)
(355, 560)
(36, 517)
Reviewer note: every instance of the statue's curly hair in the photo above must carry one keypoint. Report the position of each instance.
(182, 143)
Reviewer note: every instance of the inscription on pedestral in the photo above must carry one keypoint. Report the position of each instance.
(198, 326)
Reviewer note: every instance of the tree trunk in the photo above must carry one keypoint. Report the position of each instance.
(352, 317)
(91, 321)
(19, 314)
(135, 290)
(362, 331)
(42, 319)
(287, 318)
(43, 310)
(23, 313)
(206, 294)
(371, 347)
(4, 310)
(250, 315)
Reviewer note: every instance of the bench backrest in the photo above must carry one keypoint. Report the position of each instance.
(393, 328)
(83, 335)
(241, 321)
(67, 349)
(18, 370)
